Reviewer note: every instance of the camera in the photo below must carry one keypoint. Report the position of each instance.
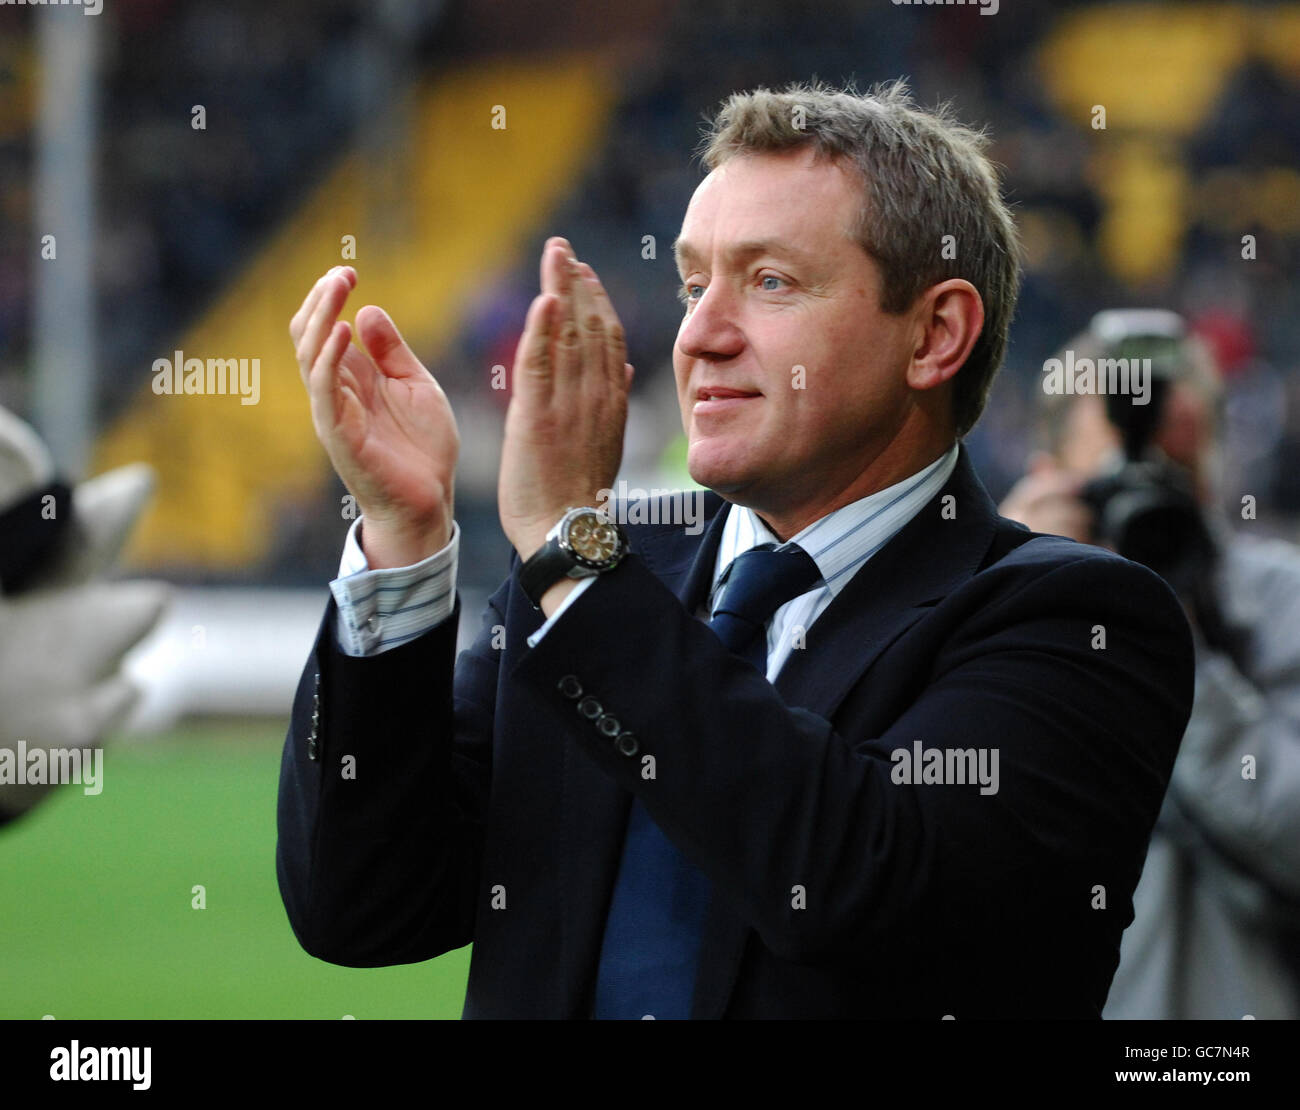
(1146, 507)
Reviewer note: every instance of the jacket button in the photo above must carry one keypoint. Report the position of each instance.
(570, 687)
(313, 750)
(590, 708)
(627, 744)
(608, 726)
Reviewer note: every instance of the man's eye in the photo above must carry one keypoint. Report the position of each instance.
(771, 277)
(685, 294)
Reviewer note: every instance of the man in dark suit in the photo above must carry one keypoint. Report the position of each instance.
(910, 764)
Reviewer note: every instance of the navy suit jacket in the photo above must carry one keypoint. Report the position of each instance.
(484, 807)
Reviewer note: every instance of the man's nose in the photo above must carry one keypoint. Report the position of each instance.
(710, 331)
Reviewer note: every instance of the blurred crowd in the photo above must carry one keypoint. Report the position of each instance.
(176, 218)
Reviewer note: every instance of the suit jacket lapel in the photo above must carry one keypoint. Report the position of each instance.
(685, 563)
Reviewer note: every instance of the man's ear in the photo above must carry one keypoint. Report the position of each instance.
(950, 316)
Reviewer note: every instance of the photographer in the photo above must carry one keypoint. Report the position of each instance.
(1216, 929)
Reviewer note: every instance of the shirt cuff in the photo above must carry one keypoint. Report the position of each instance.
(382, 609)
(573, 596)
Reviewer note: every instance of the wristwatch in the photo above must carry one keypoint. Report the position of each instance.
(583, 544)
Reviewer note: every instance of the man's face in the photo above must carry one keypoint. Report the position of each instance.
(783, 313)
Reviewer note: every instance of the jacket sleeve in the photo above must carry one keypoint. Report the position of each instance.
(383, 793)
(766, 798)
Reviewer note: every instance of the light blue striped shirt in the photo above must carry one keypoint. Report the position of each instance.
(839, 543)
(380, 609)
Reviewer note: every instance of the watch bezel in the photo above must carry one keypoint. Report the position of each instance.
(566, 526)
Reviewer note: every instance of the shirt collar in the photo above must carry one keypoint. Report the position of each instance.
(843, 540)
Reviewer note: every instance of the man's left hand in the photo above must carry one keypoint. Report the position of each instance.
(564, 428)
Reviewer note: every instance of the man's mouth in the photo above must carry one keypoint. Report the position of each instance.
(713, 400)
(705, 392)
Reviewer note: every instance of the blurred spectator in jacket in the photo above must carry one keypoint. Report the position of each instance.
(1216, 929)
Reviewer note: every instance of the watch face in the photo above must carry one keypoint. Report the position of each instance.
(592, 539)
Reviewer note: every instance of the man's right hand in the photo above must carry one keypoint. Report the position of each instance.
(384, 421)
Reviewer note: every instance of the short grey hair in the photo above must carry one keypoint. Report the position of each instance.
(925, 176)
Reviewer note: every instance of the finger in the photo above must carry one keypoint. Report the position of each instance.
(299, 322)
(591, 330)
(615, 338)
(324, 312)
(321, 321)
(629, 372)
(558, 277)
(533, 376)
(556, 250)
(323, 375)
(566, 341)
(384, 343)
(300, 318)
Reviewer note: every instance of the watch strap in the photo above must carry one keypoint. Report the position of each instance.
(543, 569)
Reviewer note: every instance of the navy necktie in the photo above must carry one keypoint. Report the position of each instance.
(656, 919)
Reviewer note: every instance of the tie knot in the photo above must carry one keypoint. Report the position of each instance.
(763, 579)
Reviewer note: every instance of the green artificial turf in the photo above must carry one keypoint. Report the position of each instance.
(96, 916)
